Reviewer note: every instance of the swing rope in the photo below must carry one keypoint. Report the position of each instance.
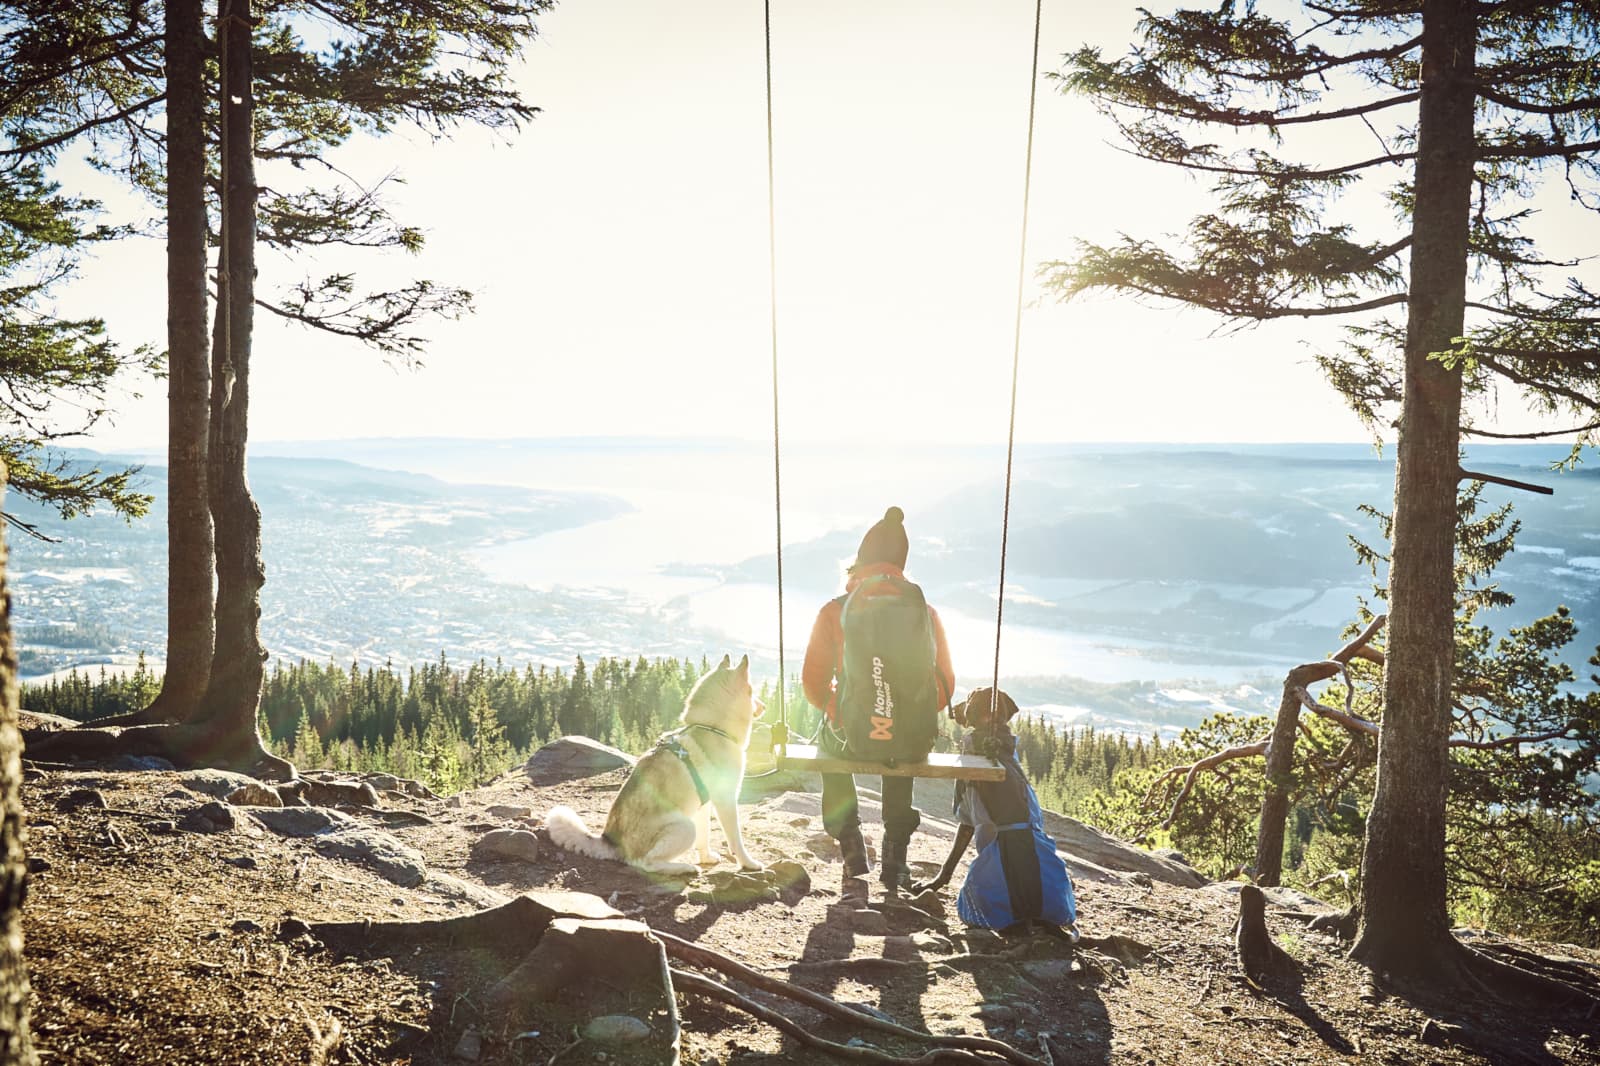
(772, 297)
(1016, 356)
(1016, 346)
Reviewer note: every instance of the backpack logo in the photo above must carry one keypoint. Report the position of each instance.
(882, 729)
(883, 702)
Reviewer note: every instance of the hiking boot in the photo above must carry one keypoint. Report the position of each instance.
(893, 873)
(853, 849)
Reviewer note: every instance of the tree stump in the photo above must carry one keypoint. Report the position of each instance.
(1263, 961)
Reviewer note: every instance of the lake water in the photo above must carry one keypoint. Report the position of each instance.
(630, 554)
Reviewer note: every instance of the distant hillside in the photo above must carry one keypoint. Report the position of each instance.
(1162, 561)
(357, 558)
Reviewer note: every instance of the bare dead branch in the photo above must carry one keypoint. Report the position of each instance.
(1349, 721)
(1526, 486)
(1240, 751)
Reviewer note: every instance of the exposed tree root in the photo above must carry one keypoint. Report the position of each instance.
(189, 744)
(684, 951)
(545, 942)
(1585, 977)
(1445, 967)
(704, 986)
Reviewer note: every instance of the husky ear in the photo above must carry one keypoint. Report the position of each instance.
(727, 660)
(744, 666)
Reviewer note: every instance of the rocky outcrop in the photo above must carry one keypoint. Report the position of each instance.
(569, 757)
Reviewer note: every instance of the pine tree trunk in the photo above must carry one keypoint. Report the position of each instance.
(237, 668)
(1405, 930)
(16, 1045)
(190, 605)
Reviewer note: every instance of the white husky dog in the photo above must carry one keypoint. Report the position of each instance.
(661, 811)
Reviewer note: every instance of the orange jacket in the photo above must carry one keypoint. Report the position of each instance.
(825, 651)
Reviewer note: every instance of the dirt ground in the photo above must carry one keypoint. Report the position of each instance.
(149, 943)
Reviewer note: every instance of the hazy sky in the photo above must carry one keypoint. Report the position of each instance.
(618, 248)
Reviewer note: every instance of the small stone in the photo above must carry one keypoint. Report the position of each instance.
(210, 817)
(216, 783)
(384, 782)
(162, 826)
(177, 794)
(469, 1047)
(254, 795)
(246, 925)
(616, 1029)
(997, 1014)
(243, 862)
(336, 793)
(80, 798)
(506, 810)
(454, 801)
(290, 928)
(516, 844)
(37, 865)
(1048, 969)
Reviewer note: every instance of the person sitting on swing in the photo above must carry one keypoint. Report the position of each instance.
(878, 667)
(1017, 882)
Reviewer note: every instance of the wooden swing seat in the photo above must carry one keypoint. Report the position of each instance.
(948, 765)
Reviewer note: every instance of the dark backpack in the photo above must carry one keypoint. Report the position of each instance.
(888, 686)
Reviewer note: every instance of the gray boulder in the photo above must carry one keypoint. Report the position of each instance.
(210, 817)
(215, 783)
(332, 793)
(254, 795)
(395, 862)
(574, 757)
(301, 821)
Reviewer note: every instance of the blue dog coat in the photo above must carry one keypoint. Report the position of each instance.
(1017, 875)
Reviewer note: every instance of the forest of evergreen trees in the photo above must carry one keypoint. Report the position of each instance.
(455, 727)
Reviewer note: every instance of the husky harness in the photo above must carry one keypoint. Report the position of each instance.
(673, 745)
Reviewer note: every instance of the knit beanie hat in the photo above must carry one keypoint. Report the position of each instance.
(885, 542)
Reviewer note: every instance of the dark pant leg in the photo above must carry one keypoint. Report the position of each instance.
(840, 811)
(900, 818)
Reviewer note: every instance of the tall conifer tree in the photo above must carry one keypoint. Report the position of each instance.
(1473, 103)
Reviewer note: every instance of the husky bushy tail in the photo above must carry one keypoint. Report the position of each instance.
(568, 831)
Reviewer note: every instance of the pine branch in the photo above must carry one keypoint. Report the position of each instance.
(1516, 103)
(1537, 434)
(84, 127)
(1546, 150)
(1287, 174)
